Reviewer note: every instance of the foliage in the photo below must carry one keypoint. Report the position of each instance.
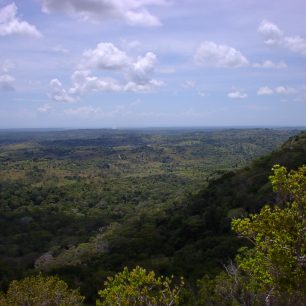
(40, 290)
(83, 204)
(276, 264)
(228, 288)
(140, 288)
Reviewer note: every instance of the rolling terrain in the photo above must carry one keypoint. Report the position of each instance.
(84, 204)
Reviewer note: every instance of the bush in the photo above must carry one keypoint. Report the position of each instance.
(140, 288)
(40, 290)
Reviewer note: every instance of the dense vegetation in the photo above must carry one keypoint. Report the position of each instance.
(40, 290)
(271, 272)
(84, 204)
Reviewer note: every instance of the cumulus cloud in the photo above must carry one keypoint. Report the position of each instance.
(127, 73)
(132, 12)
(270, 65)
(142, 87)
(212, 54)
(237, 95)
(141, 18)
(59, 94)
(136, 72)
(106, 56)
(270, 32)
(7, 82)
(84, 82)
(44, 108)
(281, 90)
(265, 91)
(11, 24)
(273, 36)
(6, 79)
(141, 70)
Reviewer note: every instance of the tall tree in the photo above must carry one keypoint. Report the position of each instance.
(276, 265)
(40, 290)
(140, 288)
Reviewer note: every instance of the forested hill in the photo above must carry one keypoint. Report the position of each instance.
(193, 237)
(86, 208)
(249, 188)
(199, 228)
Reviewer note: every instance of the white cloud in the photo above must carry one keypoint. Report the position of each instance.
(128, 73)
(285, 90)
(202, 93)
(60, 49)
(142, 87)
(189, 84)
(106, 56)
(84, 82)
(10, 23)
(237, 95)
(296, 44)
(7, 82)
(141, 70)
(142, 17)
(281, 90)
(44, 108)
(270, 65)
(265, 91)
(273, 36)
(6, 66)
(212, 54)
(270, 32)
(6, 79)
(59, 94)
(132, 12)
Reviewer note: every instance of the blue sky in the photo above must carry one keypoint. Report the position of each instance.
(145, 63)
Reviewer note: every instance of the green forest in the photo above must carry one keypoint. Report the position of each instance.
(153, 217)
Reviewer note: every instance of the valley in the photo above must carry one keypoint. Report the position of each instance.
(83, 204)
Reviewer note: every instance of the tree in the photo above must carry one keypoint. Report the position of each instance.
(228, 288)
(40, 290)
(141, 288)
(276, 264)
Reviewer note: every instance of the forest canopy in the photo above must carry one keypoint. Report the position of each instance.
(270, 272)
(84, 205)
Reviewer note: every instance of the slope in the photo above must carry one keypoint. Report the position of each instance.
(191, 237)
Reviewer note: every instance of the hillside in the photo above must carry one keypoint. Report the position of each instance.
(84, 205)
(192, 237)
(200, 226)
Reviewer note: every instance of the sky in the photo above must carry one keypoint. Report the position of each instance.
(152, 63)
